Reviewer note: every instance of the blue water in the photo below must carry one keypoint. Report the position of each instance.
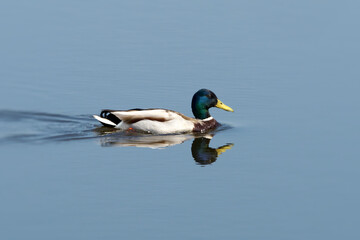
(289, 165)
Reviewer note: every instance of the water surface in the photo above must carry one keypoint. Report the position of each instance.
(285, 165)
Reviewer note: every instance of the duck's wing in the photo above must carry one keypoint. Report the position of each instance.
(112, 118)
(133, 116)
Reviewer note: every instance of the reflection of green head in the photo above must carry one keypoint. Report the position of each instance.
(203, 100)
(203, 154)
(201, 151)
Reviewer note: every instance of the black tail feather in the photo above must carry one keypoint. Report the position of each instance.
(108, 115)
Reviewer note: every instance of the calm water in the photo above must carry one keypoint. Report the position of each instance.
(289, 162)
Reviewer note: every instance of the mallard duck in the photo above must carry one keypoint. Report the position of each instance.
(164, 121)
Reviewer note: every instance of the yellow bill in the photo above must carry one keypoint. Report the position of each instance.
(223, 106)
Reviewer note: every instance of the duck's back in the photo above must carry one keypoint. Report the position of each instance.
(156, 121)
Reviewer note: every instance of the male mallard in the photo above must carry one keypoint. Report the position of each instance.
(163, 121)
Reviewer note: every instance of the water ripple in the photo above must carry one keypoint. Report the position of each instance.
(39, 127)
(35, 127)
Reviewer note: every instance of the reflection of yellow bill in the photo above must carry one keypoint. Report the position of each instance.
(219, 104)
(223, 149)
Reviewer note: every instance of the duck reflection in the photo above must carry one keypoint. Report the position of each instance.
(202, 153)
(147, 141)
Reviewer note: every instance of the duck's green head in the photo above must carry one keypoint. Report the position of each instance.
(203, 100)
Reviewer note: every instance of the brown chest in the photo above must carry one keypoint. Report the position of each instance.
(205, 126)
